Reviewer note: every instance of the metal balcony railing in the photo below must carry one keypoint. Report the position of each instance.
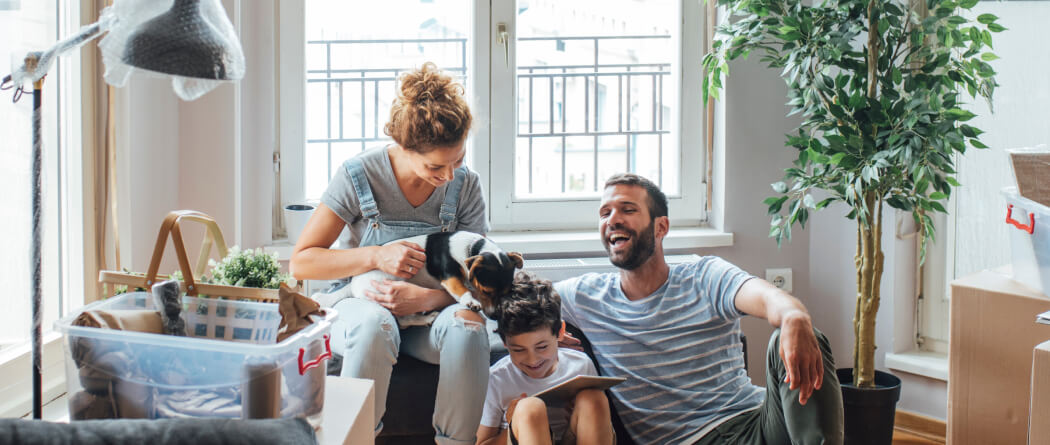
(620, 97)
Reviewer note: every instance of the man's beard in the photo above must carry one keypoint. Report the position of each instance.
(644, 244)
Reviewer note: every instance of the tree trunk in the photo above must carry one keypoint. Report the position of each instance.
(869, 261)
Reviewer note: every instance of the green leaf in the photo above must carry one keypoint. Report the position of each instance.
(987, 19)
(970, 132)
(808, 201)
(977, 144)
(937, 196)
(967, 4)
(959, 114)
(952, 181)
(779, 187)
(988, 57)
(898, 202)
(775, 207)
(995, 27)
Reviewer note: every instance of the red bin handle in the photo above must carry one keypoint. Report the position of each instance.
(327, 354)
(1009, 220)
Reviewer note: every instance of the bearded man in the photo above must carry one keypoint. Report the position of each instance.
(674, 334)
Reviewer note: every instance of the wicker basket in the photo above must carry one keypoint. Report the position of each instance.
(212, 237)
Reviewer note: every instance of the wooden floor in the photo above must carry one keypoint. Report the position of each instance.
(902, 438)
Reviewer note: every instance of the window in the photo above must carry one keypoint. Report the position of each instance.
(974, 235)
(353, 53)
(38, 25)
(577, 91)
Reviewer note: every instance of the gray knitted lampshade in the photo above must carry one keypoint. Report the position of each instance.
(179, 42)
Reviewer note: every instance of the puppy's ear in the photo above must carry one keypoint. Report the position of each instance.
(517, 259)
(471, 263)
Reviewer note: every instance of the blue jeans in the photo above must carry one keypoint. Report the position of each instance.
(368, 337)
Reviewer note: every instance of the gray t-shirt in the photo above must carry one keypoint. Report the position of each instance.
(341, 197)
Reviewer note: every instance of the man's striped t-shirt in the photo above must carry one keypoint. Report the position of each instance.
(679, 348)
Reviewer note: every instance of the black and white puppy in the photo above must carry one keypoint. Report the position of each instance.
(469, 266)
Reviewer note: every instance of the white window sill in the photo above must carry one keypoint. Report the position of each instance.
(928, 364)
(583, 242)
(16, 397)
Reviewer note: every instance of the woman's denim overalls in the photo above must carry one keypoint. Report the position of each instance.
(371, 339)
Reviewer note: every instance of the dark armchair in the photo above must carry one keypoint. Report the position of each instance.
(410, 401)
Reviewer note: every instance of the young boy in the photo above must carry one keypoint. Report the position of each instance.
(530, 325)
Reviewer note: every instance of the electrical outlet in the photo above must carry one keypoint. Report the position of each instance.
(780, 278)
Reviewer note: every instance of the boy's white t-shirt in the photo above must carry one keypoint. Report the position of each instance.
(507, 382)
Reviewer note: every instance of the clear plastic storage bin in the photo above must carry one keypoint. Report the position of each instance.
(229, 366)
(1029, 240)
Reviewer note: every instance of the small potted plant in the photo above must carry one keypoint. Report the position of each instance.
(248, 268)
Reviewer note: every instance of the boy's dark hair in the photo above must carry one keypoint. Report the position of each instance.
(530, 305)
(657, 198)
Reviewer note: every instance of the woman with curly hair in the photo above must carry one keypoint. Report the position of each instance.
(415, 186)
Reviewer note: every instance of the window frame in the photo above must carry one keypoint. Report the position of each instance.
(510, 213)
(505, 213)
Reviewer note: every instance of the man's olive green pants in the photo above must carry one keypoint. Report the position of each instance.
(781, 419)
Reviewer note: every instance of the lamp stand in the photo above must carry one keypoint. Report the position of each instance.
(37, 247)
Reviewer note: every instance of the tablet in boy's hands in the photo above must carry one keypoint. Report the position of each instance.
(565, 391)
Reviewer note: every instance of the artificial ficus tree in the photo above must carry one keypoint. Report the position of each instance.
(880, 86)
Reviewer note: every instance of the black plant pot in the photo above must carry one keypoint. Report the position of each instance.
(868, 412)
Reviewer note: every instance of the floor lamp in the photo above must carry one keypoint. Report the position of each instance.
(192, 40)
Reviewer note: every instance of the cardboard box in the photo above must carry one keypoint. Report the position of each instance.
(992, 335)
(1039, 418)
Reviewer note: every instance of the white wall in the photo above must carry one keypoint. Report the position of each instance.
(197, 145)
(148, 165)
(751, 155)
(197, 155)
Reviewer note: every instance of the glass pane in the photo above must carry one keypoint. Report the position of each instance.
(28, 26)
(601, 78)
(355, 51)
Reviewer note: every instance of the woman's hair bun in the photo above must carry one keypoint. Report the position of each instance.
(422, 86)
(430, 111)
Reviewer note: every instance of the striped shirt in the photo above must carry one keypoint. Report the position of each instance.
(679, 348)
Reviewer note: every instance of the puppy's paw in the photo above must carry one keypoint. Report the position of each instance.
(470, 302)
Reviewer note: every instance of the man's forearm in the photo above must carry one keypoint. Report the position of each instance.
(782, 308)
(759, 298)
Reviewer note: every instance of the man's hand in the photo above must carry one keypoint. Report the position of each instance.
(566, 340)
(801, 355)
(401, 298)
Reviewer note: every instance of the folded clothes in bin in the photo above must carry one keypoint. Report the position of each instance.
(131, 374)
